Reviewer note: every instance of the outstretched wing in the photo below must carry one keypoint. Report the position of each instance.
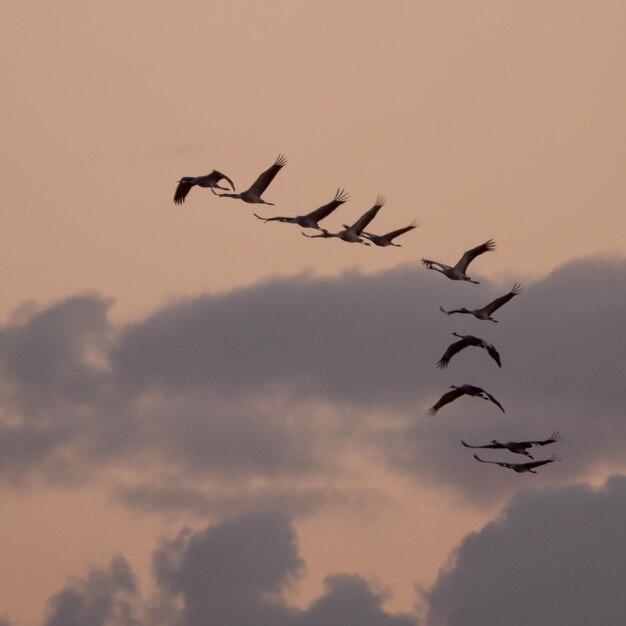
(263, 181)
(533, 464)
(470, 255)
(219, 176)
(183, 188)
(554, 437)
(445, 399)
(368, 216)
(394, 233)
(494, 462)
(453, 348)
(498, 302)
(494, 446)
(494, 401)
(493, 353)
(324, 211)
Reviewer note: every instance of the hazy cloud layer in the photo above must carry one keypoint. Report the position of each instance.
(278, 380)
(556, 556)
(231, 574)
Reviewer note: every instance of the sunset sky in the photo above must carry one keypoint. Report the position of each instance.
(205, 419)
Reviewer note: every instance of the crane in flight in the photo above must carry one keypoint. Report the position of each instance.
(464, 342)
(352, 234)
(458, 271)
(518, 447)
(487, 310)
(520, 468)
(387, 239)
(463, 390)
(312, 219)
(209, 180)
(254, 192)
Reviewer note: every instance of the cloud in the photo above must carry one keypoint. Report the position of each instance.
(104, 597)
(556, 556)
(278, 382)
(229, 574)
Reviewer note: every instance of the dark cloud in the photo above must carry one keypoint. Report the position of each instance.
(282, 379)
(104, 597)
(231, 574)
(556, 556)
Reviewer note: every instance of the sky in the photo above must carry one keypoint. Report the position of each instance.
(205, 419)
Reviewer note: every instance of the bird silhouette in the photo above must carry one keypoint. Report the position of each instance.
(487, 310)
(254, 192)
(463, 390)
(209, 180)
(458, 271)
(310, 220)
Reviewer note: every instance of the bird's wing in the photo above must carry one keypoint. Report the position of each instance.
(494, 462)
(493, 446)
(453, 348)
(368, 216)
(324, 211)
(494, 401)
(493, 353)
(470, 255)
(262, 182)
(183, 188)
(396, 233)
(498, 302)
(554, 437)
(445, 399)
(219, 176)
(533, 464)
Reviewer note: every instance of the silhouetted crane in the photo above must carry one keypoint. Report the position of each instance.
(486, 311)
(463, 390)
(210, 180)
(458, 271)
(352, 234)
(253, 193)
(518, 447)
(521, 467)
(465, 341)
(310, 220)
(387, 239)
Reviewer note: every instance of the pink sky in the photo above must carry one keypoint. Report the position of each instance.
(480, 120)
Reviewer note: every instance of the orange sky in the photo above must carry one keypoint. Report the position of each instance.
(482, 119)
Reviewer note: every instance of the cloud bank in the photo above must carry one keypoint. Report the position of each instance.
(230, 574)
(554, 556)
(277, 382)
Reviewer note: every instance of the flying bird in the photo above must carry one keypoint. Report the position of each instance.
(254, 192)
(352, 234)
(486, 311)
(518, 447)
(520, 468)
(387, 239)
(310, 220)
(464, 342)
(463, 390)
(210, 180)
(458, 271)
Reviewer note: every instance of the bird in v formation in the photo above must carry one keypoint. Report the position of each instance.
(356, 233)
(518, 447)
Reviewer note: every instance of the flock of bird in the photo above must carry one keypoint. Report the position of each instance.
(458, 272)
(356, 233)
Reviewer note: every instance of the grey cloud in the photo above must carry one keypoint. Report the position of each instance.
(104, 597)
(280, 379)
(348, 600)
(230, 574)
(556, 556)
